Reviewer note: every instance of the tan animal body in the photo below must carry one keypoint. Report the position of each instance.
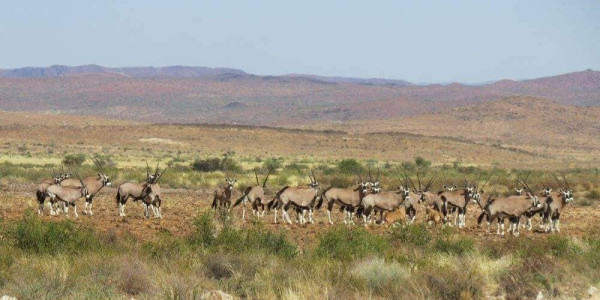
(394, 217)
(434, 217)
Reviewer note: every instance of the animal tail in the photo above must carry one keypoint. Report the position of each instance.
(273, 202)
(40, 196)
(238, 201)
(323, 196)
(214, 203)
(480, 218)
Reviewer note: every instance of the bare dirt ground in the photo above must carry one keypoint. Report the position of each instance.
(181, 207)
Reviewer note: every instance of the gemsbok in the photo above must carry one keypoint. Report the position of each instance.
(255, 195)
(555, 204)
(222, 195)
(301, 199)
(512, 207)
(382, 202)
(93, 183)
(134, 190)
(458, 199)
(150, 194)
(41, 195)
(348, 198)
(68, 195)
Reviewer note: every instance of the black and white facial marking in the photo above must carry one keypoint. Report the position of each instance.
(363, 187)
(314, 184)
(450, 188)
(57, 179)
(519, 191)
(230, 183)
(567, 195)
(105, 180)
(476, 196)
(546, 192)
(375, 187)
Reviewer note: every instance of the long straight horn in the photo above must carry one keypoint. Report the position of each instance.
(161, 174)
(419, 179)
(79, 177)
(309, 178)
(97, 164)
(264, 185)
(370, 178)
(411, 182)
(256, 176)
(429, 183)
(156, 171)
(377, 179)
(359, 176)
(147, 170)
(567, 187)
(313, 175)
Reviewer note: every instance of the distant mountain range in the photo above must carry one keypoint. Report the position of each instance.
(221, 95)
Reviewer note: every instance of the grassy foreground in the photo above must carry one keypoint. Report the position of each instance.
(64, 260)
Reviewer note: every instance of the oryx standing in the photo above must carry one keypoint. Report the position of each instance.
(349, 199)
(149, 193)
(94, 184)
(68, 195)
(458, 199)
(134, 190)
(556, 203)
(301, 199)
(41, 195)
(222, 195)
(255, 195)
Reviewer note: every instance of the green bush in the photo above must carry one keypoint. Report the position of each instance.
(347, 244)
(416, 235)
(204, 230)
(215, 164)
(32, 234)
(457, 246)
(593, 195)
(271, 164)
(350, 166)
(74, 160)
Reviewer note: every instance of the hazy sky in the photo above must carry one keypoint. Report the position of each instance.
(418, 41)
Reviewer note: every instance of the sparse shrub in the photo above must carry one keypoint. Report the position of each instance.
(346, 244)
(457, 246)
(207, 165)
(133, 277)
(74, 160)
(271, 164)
(341, 181)
(204, 230)
(350, 166)
(593, 195)
(32, 234)
(215, 164)
(421, 162)
(416, 235)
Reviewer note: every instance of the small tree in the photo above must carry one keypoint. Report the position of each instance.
(74, 160)
(421, 162)
(349, 166)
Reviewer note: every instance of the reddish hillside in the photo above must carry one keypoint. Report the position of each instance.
(188, 94)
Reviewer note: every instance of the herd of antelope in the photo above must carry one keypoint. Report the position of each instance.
(363, 202)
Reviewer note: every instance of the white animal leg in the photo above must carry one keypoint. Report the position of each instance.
(75, 210)
(275, 221)
(351, 213)
(329, 217)
(146, 212)
(529, 227)
(310, 216)
(502, 226)
(287, 216)
(557, 225)
(85, 208)
(91, 213)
